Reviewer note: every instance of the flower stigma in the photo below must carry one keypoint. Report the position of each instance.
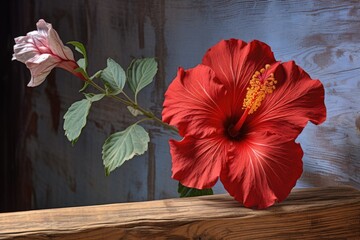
(262, 83)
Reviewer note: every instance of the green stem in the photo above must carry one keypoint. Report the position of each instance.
(127, 97)
(151, 116)
(134, 105)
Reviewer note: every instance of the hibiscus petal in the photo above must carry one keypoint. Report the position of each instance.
(57, 46)
(196, 162)
(263, 170)
(195, 102)
(23, 52)
(235, 61)
(42, 28)
(53, 40)
(41, 51)
(40, 66)
(296, 100)
(37, 80)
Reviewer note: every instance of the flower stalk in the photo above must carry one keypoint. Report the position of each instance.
(129, 102)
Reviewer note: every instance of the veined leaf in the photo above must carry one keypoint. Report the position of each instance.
(114, 77)
(140, 73)
(75, 119)
(193, 192)
(124, 145)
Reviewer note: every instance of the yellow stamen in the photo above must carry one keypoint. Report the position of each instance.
(261, 84)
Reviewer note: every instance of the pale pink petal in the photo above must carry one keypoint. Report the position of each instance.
(37, 80)
(58, 48)
(22, 39)
(43, 28)
(24, 52)
(43, 50)
(25, 49)
(40, 66)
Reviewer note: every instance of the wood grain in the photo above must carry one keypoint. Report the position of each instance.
(316, 213)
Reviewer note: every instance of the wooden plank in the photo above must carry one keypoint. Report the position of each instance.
(314, 213)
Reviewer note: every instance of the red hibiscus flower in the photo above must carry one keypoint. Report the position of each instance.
(42, 50)
(239, 113)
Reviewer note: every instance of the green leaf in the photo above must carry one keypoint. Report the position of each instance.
(134, 111)
(140, 73)
(94, 97)
(81, 49)
(75, 119)
(114, 77)
(96, 75)
(82, 63)
(86, 84)
(193, 192)
(122, 146)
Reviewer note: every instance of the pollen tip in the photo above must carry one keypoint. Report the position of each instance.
(259, 86)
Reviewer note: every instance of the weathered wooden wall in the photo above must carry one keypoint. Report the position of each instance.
(321, 36)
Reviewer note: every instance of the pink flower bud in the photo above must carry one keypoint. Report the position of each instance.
(42, 50)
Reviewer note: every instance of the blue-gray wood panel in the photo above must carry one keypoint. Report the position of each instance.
(321, 36)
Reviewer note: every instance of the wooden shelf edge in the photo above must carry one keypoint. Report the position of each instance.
(329, 212)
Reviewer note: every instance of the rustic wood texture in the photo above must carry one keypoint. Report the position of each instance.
(317, 213)
(321, 36)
